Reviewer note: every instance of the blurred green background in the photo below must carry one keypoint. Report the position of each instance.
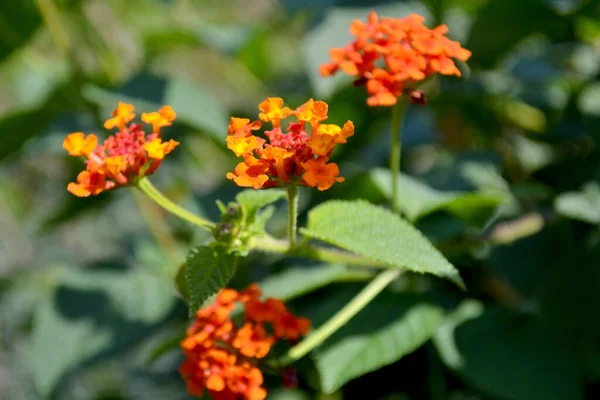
(502, 174)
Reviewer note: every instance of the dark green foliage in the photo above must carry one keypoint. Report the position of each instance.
(208, 269)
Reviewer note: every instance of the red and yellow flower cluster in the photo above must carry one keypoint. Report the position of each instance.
(292, 157)
(221, 358)
(391, 54)
(125, 156)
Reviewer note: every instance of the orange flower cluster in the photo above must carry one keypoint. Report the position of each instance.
(291, 157)
(221, 357)
(125, 156)
(391, 54)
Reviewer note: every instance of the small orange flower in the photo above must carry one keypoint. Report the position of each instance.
(221, 358)
(77, 144)
(288, 326)
(250, 173)
(272, 110)
(282, 160)
(124, 157)
(241, 145)
(157, 149)
(87, 183)
(241, 127)
(252, 340)
(393, 54)
(320, 174)
(164, 117)
(266, 311)
(122, 115)
(313, 112)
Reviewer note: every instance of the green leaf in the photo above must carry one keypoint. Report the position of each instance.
(252, 201)
(197, 107)
(583, 205)
(181, 282)
(506, 355)
(417, 200)
(143, 297)
(390, 327)
(92, 313)
(18, 21)
(262, 217)
(490, 41)
(208, 270)
(30, 122)
(165, 347)
(589, 100)
(475, 208)
(568, 303)
(296, 281)
(59, 342)
(379, 235)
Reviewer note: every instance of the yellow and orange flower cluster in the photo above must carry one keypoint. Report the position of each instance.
(125, 156)
(391, 54)
(221, 357)
(292, 157)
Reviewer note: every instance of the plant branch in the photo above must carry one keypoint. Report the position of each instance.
(149, 190)
(398, 112)
(338, 320)
(264, 243)
(292, 191)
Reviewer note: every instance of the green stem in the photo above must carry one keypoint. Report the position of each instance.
(352, 308)
(149, 190)
(395, 152)
(331, 255)
(292, 191)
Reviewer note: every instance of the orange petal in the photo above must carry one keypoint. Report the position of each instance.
(122, 115)
(272, 110)
(157, 149)
(79, 145)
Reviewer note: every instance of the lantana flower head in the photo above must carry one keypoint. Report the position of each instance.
(221, 357)
(129, 154)
(292, 156)
(391, 55)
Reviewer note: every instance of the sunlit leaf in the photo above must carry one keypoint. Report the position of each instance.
(379, 235)
(583, 205)
(589, 101)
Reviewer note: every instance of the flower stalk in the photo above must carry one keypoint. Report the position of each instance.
(398, 111)
(352, 308)
(146, 187)
(292, 191)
